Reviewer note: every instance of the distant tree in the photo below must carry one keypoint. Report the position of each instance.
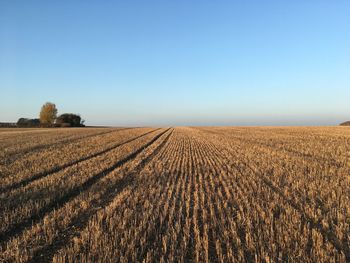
(7, 125)
(48, 113)
(73, 120)
(24, 122)
(347, 123)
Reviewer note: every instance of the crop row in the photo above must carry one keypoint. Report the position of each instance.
(17, 143)
(54, 158)
(24, 205)
(317, 191)
(81, 201)
(189, 195)
(193, 203)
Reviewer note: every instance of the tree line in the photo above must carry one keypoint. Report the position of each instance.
(48, 118)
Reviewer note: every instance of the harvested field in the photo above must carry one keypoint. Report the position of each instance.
(184, 194)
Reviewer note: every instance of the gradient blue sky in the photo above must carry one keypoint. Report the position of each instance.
(177, 62)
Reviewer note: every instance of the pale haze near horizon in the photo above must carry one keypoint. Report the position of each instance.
(137, 63)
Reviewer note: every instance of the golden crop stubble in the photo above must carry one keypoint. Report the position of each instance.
(126, 235)
(243, 153)
(27, 201)
(89, 168)
(53, 157)
(212, 194)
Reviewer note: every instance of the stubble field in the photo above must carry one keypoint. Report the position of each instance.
(184, 194)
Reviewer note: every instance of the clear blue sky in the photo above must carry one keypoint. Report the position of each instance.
(177, 62)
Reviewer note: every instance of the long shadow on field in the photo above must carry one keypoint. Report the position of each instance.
(281, 149)
(46, 253)
(325, 232)
(18, 228)
(341, 247)
(13, 156)
(64, 166)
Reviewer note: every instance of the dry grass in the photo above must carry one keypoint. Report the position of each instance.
(186, 194)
